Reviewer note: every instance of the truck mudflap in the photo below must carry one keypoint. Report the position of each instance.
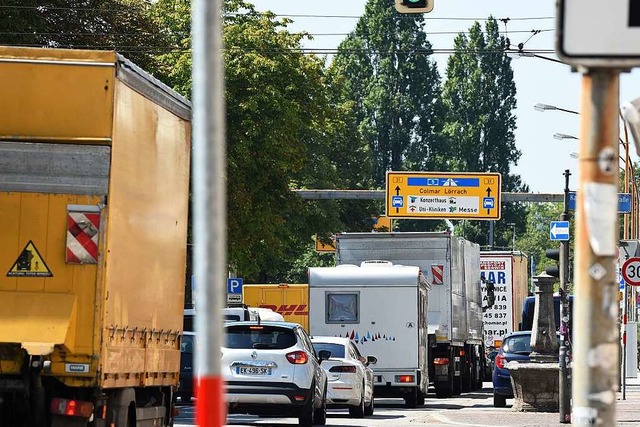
(37, 321)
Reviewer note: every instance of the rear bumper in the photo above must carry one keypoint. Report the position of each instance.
(258, 398)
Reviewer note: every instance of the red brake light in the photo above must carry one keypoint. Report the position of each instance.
(441, 361)
(71, 408)
(500, 360)
(343, 369)
(298, 357)
(405, 378)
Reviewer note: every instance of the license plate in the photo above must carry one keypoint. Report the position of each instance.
(251, 370)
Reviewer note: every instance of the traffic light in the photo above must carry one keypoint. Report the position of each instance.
(554, 270)
(414, 6)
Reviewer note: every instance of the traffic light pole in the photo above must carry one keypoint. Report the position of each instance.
(565, 335)
(595, 341)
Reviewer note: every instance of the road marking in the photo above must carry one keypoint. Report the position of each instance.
(444, 419)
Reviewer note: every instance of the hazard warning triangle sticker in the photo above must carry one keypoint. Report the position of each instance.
(29, 264)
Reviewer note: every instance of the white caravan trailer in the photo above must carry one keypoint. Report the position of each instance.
(383, 308)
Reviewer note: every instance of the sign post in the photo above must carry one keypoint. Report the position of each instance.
(598, 40)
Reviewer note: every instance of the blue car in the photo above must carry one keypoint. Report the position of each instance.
(515, 346)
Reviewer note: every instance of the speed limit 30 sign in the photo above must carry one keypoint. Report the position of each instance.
(631, 271)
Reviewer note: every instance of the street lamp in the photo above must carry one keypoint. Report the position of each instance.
(561, 136)
(546, 107)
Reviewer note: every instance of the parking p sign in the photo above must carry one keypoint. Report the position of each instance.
(234, 285)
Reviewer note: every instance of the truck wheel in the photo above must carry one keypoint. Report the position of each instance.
(421, 397)
(444, 392)
(411, 399)
(499, 401)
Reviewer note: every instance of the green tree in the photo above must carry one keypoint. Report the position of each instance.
(395, 87)
(285, 130)
(122, 25)
(479, 98)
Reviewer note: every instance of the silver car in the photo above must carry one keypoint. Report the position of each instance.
(272, 368)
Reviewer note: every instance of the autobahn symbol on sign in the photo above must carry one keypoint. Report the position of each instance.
(631, 271)
(559, 230)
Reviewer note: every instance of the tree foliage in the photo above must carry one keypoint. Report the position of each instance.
(479, 98)
(285, 131)
(123, 25)
(395, 87)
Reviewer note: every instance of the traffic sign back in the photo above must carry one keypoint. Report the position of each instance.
(596, 33)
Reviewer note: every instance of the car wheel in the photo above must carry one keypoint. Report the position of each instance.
(358, 411)
(368, 409)
(321, 412)
(308, 411)
(499, 401)
(411, 399)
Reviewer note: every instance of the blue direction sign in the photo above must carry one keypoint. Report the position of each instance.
(559, 230)
(234, 285)
(624, 202)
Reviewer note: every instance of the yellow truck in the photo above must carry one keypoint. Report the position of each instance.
(290, 300)
(94, 184)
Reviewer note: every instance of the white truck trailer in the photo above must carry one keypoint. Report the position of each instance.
(383, 309)
(452, 266)
(509, 272)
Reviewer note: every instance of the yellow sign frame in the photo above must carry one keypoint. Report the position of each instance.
(443, 195)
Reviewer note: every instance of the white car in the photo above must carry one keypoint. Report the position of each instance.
(271, 368)
(350, 378)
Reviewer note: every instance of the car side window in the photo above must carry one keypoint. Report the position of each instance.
(355, 353)
(306, 342)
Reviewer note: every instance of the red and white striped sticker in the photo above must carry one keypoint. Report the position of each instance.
(437, 271)
(82, 237)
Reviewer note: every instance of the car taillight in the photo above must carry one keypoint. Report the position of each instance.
(343, 369)
(71, 408)
(441, 361)
(500, 360)
(298, 357)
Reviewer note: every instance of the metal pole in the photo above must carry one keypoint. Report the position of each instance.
(596, 346)
(565, 333)
(625, 300)
(491, 235)
(210, 203)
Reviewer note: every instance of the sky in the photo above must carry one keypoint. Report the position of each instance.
(544, 159)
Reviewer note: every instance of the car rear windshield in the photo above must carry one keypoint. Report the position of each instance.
(259, 337)
(517, 344)
(337, 350)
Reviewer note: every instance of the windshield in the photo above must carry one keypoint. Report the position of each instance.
(520, 344)
(259, 337)
(337, 350)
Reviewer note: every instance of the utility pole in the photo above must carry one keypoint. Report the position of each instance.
(565, 333)
(596, 346)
